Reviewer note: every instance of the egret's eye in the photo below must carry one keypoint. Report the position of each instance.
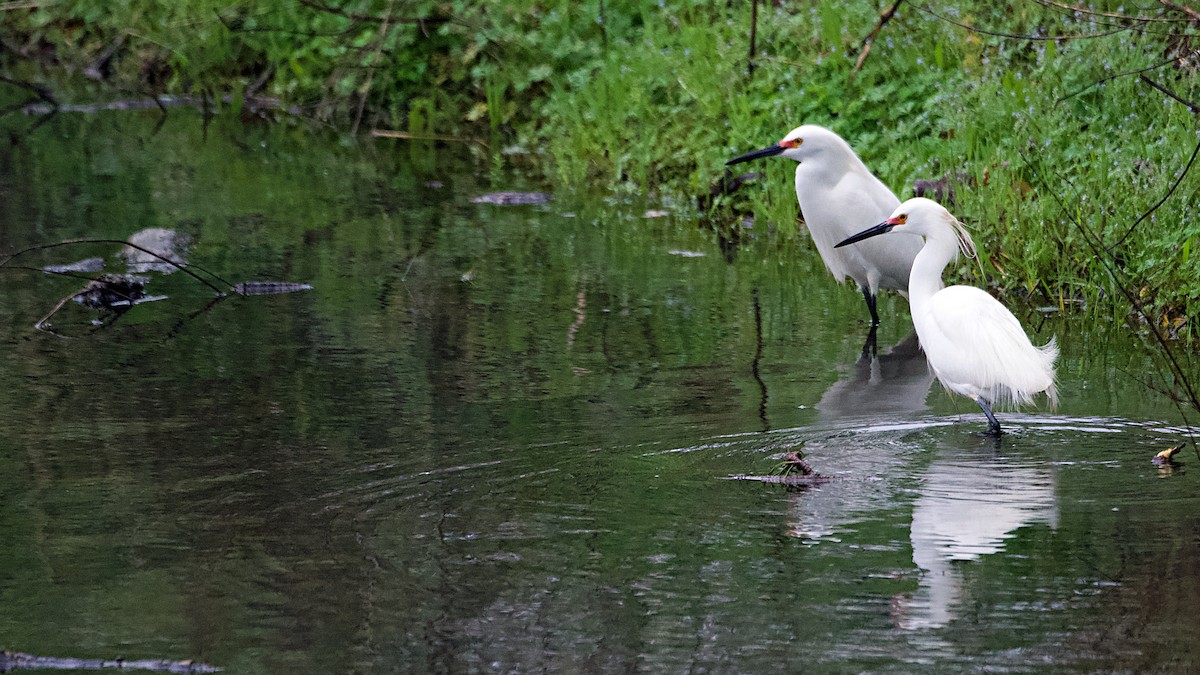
(793, 143)
(902, 218)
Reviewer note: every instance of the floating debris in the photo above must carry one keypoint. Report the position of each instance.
(793, 471)
(269, 287)
(512, 198)
(781, 480)
(109, 291)
(793, 464)
(85, 265)
(686, 254)
(1166, 456)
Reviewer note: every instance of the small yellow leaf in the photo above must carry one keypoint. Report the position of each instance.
(1164, 458)
(477, 112)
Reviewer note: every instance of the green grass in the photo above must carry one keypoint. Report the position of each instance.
(651, 97)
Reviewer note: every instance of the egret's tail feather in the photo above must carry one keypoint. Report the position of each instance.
(1049, 354)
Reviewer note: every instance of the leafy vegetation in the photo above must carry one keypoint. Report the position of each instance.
(1059, 118)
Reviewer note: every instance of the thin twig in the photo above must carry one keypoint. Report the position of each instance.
(1104, 257)
(22, 4)
(1160, 202)
(1191, 106)
(40, 90)
(753, 35)
(421, 21)
(1127, 73)
(884, 17)
(1017, 36)
(366, 91)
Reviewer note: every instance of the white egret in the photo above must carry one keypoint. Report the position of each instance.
(839, 196)
(974, 345)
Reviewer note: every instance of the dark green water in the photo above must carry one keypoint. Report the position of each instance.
(495, 439)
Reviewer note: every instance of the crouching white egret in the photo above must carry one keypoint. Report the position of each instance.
(975, 346)
(838, 197)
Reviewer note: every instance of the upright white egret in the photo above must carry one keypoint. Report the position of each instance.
(839, 196)
(975, 346)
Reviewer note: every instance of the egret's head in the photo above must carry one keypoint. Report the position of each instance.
(800, 144)
(923, 217)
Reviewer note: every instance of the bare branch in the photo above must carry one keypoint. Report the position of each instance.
(884, 17)
(1192, 14)
(326, 7)
(387, 133)
(1106, 261)
(1015, 36)
(1108, 15)
(40, 90)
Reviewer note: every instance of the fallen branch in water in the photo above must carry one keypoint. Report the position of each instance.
(251, 103)
(387, 133)
(117, 293)
(10, 661)
(183, 267)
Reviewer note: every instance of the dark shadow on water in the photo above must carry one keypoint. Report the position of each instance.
(893, 385)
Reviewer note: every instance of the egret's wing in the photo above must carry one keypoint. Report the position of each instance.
(871, 203)
(971, 338)
(837, 202)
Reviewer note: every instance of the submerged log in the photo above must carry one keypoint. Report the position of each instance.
(269, 287)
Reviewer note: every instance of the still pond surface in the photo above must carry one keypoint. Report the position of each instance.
(498, 438)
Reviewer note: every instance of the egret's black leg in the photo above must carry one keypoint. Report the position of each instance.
(869, 349)
(993, 425)
(870, 298)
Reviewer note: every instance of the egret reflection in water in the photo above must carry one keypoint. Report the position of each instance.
(971, 502)
(891, 384)
(880, 389)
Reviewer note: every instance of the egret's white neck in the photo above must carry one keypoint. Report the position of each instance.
(926, 276)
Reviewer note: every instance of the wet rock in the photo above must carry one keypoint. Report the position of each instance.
(168, 244)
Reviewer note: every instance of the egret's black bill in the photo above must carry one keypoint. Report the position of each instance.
(882, 228)
(765, 152)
